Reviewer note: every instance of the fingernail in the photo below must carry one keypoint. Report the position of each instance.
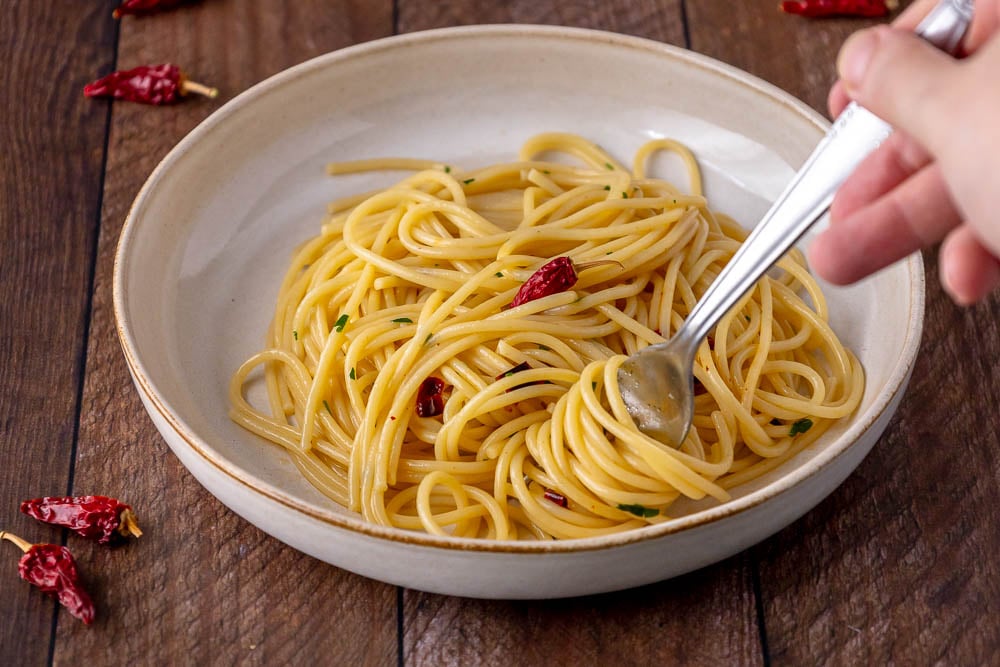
(818, 258)
(948, 283)
(855, 55)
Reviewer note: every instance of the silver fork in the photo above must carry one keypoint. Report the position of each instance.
(656, 383)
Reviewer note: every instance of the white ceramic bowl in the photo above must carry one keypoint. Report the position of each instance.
(209, 235)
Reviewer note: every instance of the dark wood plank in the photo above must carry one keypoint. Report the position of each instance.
(662, 624)
(661, 20)
(50, 174)
(898, 565)
(202, 586)
(705, 618)
(795, 54)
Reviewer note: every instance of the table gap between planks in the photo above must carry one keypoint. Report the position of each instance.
(897, 565)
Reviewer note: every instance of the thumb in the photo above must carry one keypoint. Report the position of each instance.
(901, 79)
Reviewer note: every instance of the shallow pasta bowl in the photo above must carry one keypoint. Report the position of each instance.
(209, 236)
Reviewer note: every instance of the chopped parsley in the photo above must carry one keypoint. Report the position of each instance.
(295, 334)
(447, 169)
(639, 510)
(469, 180)
(428, 339)
(544, 347)
(593, 385)
(498, 274)
(546, 171)
(341, 322)
(800, 426)
(624, 195)
(607, 187)
(353, 376)
(523, 366)
(327, 406)
(609, 166)
(776, 422)
(403, 320)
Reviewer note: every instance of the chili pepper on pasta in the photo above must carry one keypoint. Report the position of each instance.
(557, 275)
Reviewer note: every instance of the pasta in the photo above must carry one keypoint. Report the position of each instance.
(408, 290)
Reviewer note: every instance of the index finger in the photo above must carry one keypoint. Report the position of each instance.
(985, 22)
(907, 20)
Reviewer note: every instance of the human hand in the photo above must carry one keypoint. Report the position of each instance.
(938, 176)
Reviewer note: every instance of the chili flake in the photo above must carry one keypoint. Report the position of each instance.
(556, 497)
(430, 401)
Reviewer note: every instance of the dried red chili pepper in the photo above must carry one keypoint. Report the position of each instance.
(143, 7)
(51, 568)
(93, 517)
(556, 497)
(430, 402)
(822, 8)
(557, 275)
(148, 84)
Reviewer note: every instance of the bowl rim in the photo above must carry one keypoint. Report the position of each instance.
(354, 523)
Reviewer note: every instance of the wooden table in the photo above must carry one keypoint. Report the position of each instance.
(899, 564)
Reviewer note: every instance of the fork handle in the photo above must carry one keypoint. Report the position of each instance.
(853, 136)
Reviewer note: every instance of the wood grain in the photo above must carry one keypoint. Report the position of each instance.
(661, 20)
(705, 618)
(662, 624)
(202, 586)
(899, 564)
(795, 54)
(51, 150)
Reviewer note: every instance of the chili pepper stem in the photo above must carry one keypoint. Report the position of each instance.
(188, 86)
(593, 265)
(24, 545)
(129, 524)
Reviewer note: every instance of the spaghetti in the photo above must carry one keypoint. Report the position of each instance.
(524, 435)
